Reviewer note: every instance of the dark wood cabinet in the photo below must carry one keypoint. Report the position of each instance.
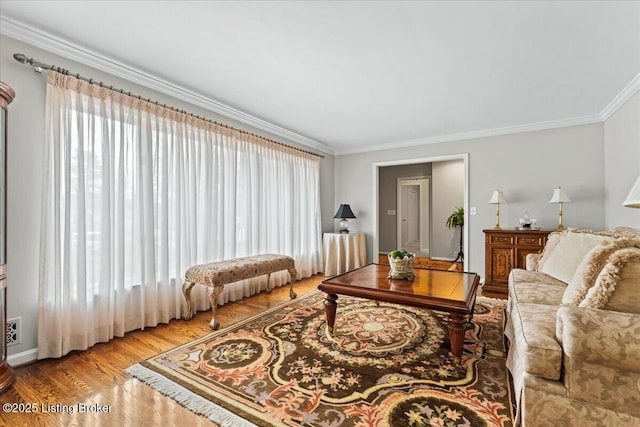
(7, 376)
(506, 249)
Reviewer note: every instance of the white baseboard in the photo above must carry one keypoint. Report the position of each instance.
(23, 357)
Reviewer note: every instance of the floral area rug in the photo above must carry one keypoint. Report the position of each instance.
(385, 365)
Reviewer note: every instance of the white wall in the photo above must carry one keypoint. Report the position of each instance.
(25, 158)
(526, 166)
(447, 194)
(622, 162)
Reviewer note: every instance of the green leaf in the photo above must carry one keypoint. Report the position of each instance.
(456, 219)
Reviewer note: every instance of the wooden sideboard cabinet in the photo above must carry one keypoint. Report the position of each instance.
(506, 249)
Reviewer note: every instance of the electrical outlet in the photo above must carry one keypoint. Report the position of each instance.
(14, 335)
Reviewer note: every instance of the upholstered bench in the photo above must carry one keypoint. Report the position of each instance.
(218, 274)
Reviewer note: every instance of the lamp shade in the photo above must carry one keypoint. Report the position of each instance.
(559, 196)
(633, 198)
(344, 211)
(497, 197)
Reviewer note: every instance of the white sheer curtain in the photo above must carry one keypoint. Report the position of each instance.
(134, 194)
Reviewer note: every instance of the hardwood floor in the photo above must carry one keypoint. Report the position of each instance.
(421, 262)
(96, 376)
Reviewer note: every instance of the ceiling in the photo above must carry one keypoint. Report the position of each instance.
(354, 76)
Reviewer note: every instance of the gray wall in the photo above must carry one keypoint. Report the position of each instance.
(327, 194)
(526, 166)
(25, 159)
(622, 162)
(388, 199)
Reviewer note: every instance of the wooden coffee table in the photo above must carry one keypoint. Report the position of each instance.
(449, 291)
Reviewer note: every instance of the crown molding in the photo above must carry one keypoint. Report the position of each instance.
(620, 99)
(552, 124)
(66, 49)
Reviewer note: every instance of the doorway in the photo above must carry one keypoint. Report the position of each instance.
(444, 236)
(413, 215)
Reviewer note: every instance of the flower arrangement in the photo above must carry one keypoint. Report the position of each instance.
(401, 263)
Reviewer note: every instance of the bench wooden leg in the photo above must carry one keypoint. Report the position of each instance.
(186, 290)
(293, 273)
(213, 298)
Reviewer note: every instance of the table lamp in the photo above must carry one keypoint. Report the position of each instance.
(559, 196)
(344, 213)
(496, 198)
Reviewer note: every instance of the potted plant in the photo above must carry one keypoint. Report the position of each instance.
(456, 219)
(401, 263)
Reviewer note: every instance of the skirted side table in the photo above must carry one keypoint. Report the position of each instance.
(343, 252)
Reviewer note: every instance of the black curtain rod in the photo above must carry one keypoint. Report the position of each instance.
(39, 66)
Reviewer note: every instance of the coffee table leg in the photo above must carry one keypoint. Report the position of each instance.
(330, 306)
(456, 335)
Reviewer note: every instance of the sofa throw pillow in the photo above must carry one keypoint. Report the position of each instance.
(618, 284)
(572, 247)
(631, 233)
(591, 266)
(552, 241)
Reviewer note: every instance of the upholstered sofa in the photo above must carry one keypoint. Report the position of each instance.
(573, 331)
